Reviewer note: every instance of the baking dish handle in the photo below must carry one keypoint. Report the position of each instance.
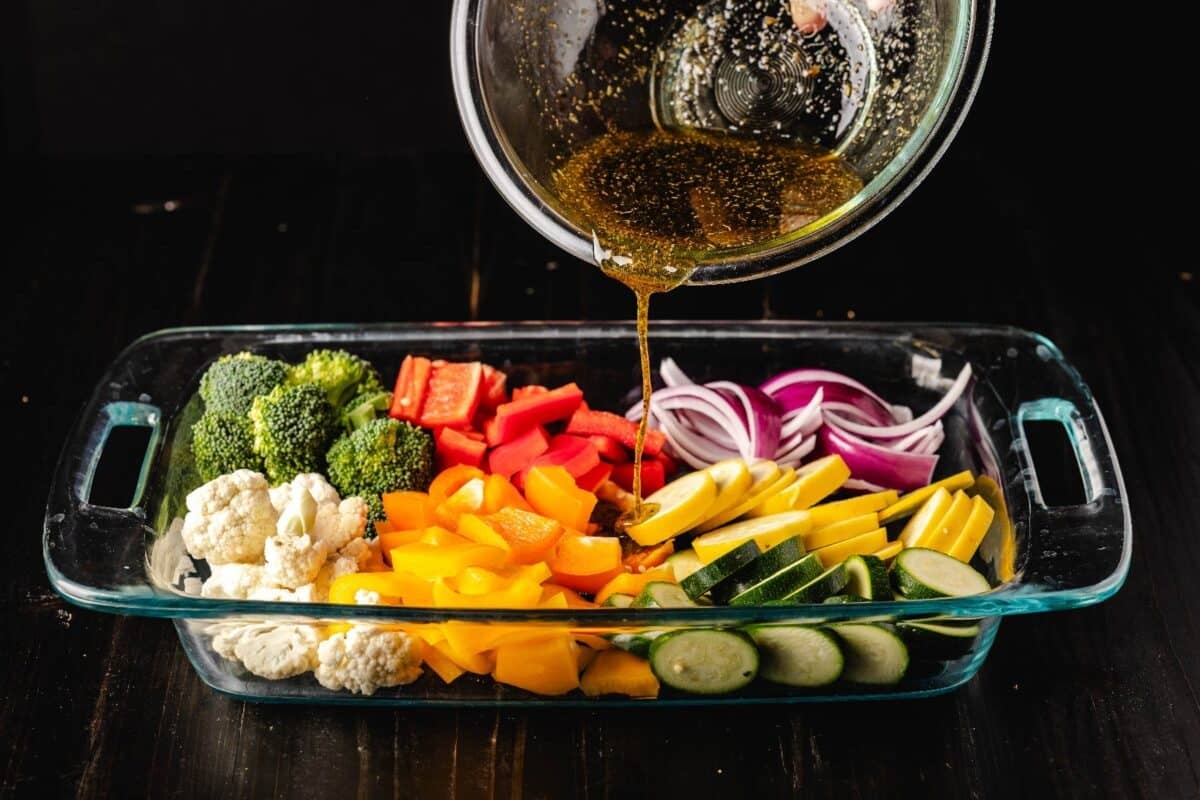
(1068, 538)
(88, 546)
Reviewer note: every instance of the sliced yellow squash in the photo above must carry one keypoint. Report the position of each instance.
(933, 509)
(841, 531)
(759, 490)
(830, 513)
(765, 531)
(676, 507)
(973, 531)
(942, 533)
(909, 503)
(862, 545)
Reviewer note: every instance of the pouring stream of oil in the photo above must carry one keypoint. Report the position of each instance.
(660, 202)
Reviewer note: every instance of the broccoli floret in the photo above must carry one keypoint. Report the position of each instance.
(232, 383)
(385, 455)
(342, 375)
(222, 443)
(292, 427)
(364, 408)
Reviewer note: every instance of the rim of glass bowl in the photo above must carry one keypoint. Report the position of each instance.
(932, 136)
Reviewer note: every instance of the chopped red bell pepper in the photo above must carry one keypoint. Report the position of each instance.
(411, 383)
(653, 476)
(456, 447)
(670, 465)
(453, 395)
(491, 432)
(518, 416)
(509, 459)
(609, 448)
(528, 391)
(576, 455)
(590, 481)
(471, 433)
(605, 423)
(495, 392)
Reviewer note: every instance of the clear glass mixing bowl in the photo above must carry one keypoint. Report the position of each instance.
(884, 83)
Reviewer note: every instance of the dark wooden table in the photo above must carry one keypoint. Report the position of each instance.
(1100, 702)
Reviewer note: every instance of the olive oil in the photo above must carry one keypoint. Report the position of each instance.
(660, 202)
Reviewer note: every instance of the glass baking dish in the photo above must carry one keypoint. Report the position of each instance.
(1039, 557)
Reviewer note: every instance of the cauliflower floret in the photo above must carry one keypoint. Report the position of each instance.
(337, 521)
(293, 561)
(338, 525)
(270, 651)
(229, 518)
(366, 658)
(334, 568)
(314, 482)
(234, 581)
(358, 549)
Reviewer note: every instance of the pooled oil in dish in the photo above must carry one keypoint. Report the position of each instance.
(659, 202)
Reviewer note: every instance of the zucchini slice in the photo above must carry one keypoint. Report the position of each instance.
(710, 575)
(780, 584)
(797, 655)
(660, 594)
(618, 600)
(704, 661)
(825, 584)
(867, 577)
(636, 643)
(919, 574)
(937, 641)
(684, 563)
(874, 654)
(780, 556)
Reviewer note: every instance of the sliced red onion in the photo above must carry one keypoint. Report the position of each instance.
(878, 465)
(928, 418)
(804, 420)
(760, 413)
(795, 387)
(792, 456)
(672, 375)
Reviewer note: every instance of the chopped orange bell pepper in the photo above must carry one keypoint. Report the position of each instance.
(586, 563)
(632, 583)
(478, 663)
(407, 511)
(383, 526)
(498, 493)
(571, 598)
(394, 588)
(478, 581)
(553, 600)
(545, 666)
(394, 539)
(478, 530)
(618, 672)
(449, 481)
(552, 492)
(530, 536)
(466, 500)
(446, 669)
(431, 561)
(519, 594)
(473, 638)
(437, 535)
(647, 557)
(534, 573)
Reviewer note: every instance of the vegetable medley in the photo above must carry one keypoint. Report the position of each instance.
(453, 491)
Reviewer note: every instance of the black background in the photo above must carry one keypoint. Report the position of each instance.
(317, 172)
